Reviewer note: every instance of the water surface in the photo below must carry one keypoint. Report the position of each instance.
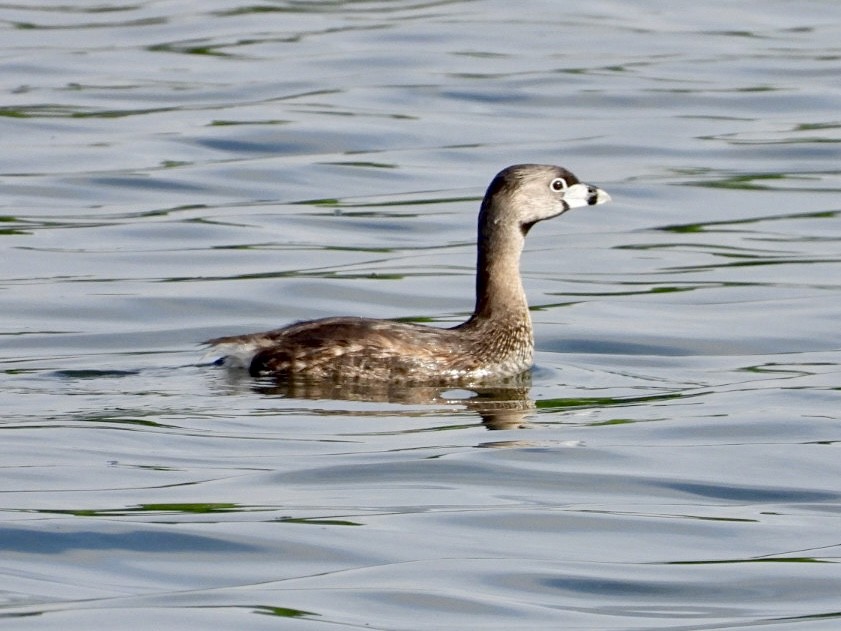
(174, 172)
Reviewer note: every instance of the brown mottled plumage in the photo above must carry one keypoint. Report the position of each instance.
(495, 343)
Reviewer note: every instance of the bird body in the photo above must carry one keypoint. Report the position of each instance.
(495, 343)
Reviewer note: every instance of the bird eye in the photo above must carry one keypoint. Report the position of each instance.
(558, 184)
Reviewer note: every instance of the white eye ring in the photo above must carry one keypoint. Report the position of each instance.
(558, 184)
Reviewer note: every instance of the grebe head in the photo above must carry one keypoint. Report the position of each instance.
(528, 193)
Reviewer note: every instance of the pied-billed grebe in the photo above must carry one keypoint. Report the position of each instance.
(495, 343)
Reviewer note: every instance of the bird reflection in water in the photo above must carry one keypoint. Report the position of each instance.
(499, 406)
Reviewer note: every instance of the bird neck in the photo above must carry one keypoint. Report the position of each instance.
(499, 289)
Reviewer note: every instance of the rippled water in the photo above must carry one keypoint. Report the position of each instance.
(174, 171)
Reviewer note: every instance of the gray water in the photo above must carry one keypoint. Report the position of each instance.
(173, 171)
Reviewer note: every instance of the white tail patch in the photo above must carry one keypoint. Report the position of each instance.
(234, 354)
